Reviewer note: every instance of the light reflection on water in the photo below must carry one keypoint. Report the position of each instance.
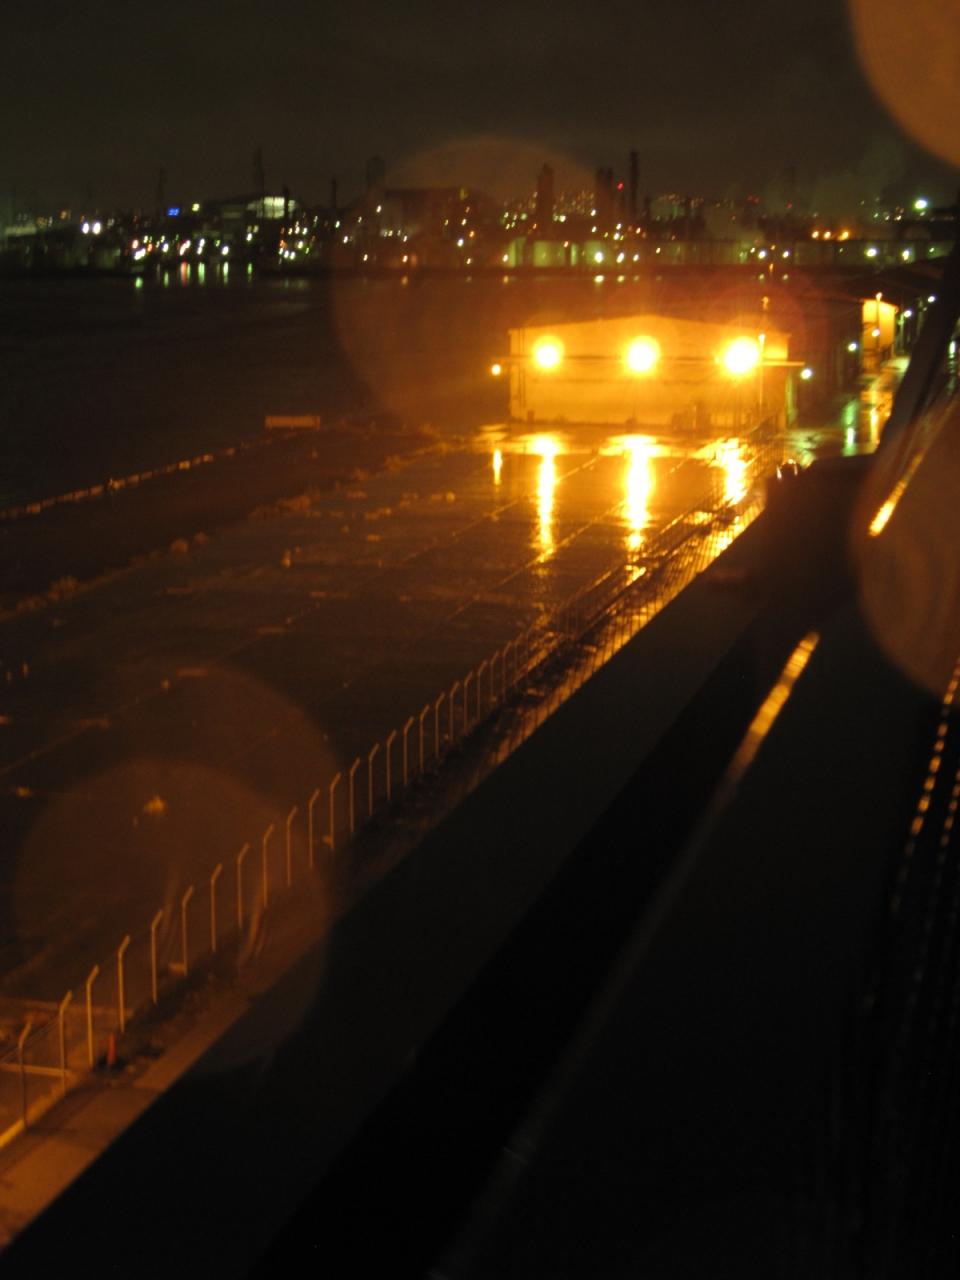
(546, 448)
(639, 452)
(730, 458)
(629, 470)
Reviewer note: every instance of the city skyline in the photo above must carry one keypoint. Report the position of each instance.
(753, 96)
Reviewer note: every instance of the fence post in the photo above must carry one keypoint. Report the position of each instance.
(406, 729)
(436, 725)
(466, 700)
(352, 810)
(23, 1075)
(214, 877)
(391, 736)
(452, 704)
(240, 857)
(423, 715)
(314, 796)
(289, 844)
(480, 670)
(331, 837)
(371, 756)
(154, 925)
(264, 869)
(184, 903)
(121, 1002)
(91, 979)
(61, 1020)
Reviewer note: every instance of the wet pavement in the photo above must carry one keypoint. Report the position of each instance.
(158, 720)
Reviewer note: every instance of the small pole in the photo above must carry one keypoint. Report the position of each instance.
(184, 903)
(423, 715)
(466, 700)
(154, 925)
(23, 1075)
(240, 857)
(121, 1011)
(289, 844)
(315, 795)
(391, 737)
(61, 1020)
(480, 670)
(452, 705)
(91, 978)
(406, 729)
(351, 795)
(214, 877)
(436, 725)
(371, 755)
(331, 837)
(264, 868)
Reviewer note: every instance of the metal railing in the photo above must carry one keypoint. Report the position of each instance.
(512, 691)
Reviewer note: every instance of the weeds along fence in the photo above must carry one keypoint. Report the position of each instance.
(218, 918)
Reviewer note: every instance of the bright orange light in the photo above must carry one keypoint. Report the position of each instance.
(496, 368)
(642, 354)
(497, 465)
(742, 356)
(547, 354)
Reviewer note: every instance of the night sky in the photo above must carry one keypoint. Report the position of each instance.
(716, 97)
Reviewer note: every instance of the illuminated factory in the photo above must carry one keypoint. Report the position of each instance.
(652, 371)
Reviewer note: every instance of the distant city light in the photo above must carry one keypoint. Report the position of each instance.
(806, 373)
(85, 228)
(642, 354)
(173, 211)
(195, 207)
(496, 368)
(932, 297)
(598, 256)
(874, 333)
(741, 356)
(871, 251)
(921, 204)
(853, 346)
(908, 313)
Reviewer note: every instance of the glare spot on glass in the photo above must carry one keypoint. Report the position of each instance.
(497, 465)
